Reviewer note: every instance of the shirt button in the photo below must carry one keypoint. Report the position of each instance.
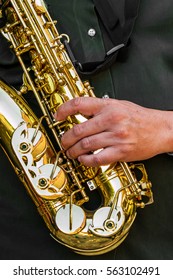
(91, 32)
(106, 95)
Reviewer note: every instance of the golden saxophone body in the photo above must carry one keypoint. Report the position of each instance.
(61, 188)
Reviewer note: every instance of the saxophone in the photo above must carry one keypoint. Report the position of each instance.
(61, 188)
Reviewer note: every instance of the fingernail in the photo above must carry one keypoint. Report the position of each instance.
(55, 115)
(68, 155)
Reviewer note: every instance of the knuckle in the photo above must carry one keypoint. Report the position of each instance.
(96, 160)
(85, 143)
(77, 101)
(122, 132)
(77, 130)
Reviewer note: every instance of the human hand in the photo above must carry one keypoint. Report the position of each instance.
(122, 130)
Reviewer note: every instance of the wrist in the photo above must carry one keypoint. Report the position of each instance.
(166, 130)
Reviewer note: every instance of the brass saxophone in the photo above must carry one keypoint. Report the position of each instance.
(61, 187)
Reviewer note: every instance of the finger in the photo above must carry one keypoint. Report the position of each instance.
(87, 106)
(80, 131)
(104, 157)
(89, 144)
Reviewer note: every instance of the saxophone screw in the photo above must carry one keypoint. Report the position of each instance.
(110, 225)
(24, 147)
(42, 183)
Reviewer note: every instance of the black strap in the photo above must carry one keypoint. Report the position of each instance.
(118, 18)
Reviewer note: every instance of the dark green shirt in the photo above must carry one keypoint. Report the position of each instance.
(143, 74)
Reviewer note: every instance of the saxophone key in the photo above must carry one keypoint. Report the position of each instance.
(70, 219)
